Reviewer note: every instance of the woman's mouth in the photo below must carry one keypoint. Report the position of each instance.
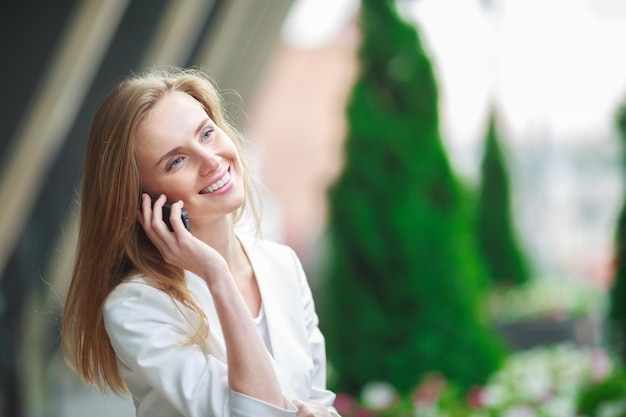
(217, 184)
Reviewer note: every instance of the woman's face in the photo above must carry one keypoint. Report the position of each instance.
(183, 154)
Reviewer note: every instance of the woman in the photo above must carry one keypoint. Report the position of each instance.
(201, 323)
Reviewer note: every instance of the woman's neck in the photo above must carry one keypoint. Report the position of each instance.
(220, 235)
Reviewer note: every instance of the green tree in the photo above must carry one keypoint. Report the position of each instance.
(617, 307)
(495, 228)
(405, 293)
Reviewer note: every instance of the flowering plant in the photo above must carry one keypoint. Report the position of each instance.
(542, 382)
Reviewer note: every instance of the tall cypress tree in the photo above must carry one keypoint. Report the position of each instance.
(617, 307)
(495, 228)
(404, 293)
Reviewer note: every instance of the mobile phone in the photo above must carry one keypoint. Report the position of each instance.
(167, 208)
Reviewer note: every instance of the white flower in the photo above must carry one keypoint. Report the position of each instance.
(519, 411)
(559, 407)
(378, 395)
(612, 409)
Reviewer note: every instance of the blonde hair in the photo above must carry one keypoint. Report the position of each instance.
(111, 243)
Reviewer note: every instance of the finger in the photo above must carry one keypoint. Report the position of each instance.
(175, 217)
(156, 216)
(146, 210)
(303, 409)
(153, 223)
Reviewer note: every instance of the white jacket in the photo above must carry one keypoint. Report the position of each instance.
(169, 377)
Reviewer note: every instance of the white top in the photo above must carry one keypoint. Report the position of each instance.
(261, 325)
(167, 376)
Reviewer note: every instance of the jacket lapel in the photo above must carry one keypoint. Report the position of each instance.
(280, 295)
(215, 344)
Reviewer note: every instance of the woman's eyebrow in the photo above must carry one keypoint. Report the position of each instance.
(169, 154)
(201, 125)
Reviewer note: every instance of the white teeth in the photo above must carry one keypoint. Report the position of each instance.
(218, 184)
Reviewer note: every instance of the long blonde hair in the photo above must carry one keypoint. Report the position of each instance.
(111, 243)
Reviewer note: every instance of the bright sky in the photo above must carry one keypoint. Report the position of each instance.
(555, 66)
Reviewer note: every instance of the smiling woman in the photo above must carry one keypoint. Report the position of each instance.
(183, 153)
(212, 323)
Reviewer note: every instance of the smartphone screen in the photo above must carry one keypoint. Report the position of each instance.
(167, 208)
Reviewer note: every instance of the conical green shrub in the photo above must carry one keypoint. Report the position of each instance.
(406, 292)
(495, 227)
(617, 298)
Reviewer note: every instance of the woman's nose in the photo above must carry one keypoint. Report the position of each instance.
(209, 162)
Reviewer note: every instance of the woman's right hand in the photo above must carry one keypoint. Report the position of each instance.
(250, 370)
(180, 248)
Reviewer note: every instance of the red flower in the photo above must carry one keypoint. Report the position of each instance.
(600, 365)
(476, 397)
(345, 404)
(428, 391)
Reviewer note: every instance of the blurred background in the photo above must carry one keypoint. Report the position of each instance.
(550, 74)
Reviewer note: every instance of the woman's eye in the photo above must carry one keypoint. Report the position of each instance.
(176, 162)
(207, 134)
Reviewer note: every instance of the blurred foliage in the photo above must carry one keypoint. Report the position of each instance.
(617, 308)
(558, 381)
(495, 227)
(406, 291)
(605, 398)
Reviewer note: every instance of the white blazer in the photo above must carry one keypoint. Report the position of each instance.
(169, 377)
